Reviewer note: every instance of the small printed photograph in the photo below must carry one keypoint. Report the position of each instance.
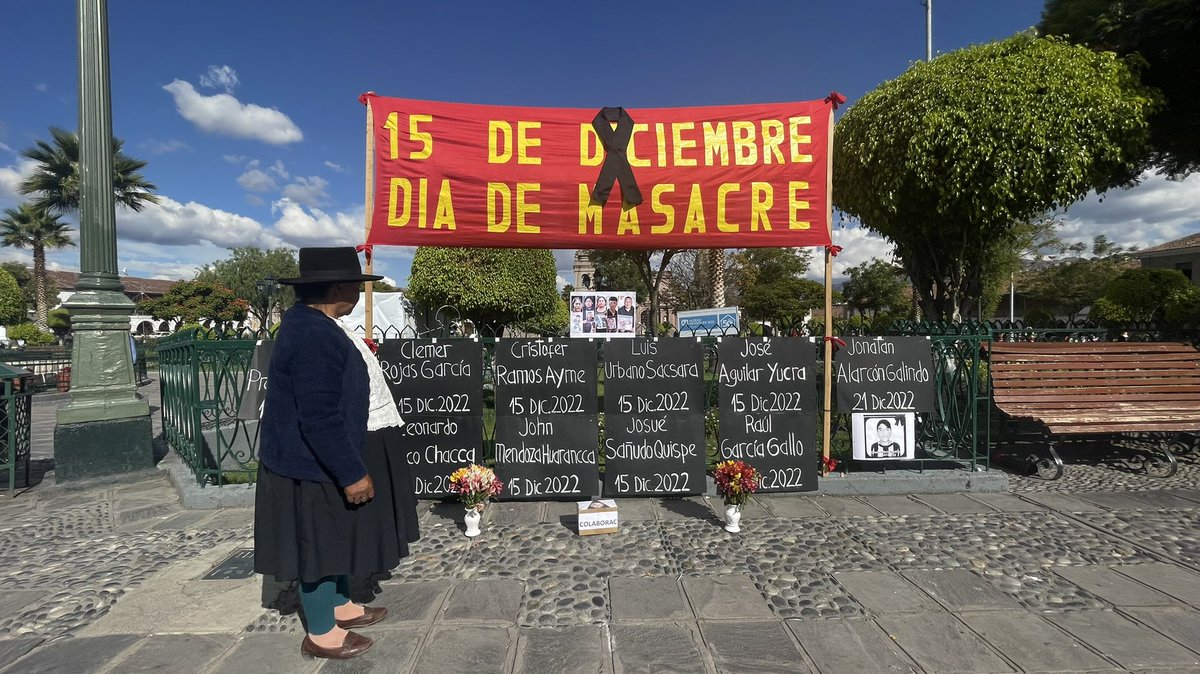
(878, 437)
(609, 314)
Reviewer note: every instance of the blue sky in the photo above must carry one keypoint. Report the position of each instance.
(248, 115)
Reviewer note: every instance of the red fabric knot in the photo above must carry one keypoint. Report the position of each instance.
(829, 463)
(835, 99)
(837, 341)
(362, 98)
(364, 248)
(833, 249)
(371, 344)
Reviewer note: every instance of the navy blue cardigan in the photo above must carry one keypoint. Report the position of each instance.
(314, 422)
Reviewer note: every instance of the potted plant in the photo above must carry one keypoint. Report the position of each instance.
(736, 481)
(475, 486)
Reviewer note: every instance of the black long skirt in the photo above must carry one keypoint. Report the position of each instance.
(306, 530)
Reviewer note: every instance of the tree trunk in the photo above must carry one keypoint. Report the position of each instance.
(39, 286)
(716, 262)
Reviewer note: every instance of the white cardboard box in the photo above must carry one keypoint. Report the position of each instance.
(597, 516)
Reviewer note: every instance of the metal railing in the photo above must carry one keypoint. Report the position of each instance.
(16, 409)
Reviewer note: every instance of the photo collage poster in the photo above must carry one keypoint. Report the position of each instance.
(603, 314)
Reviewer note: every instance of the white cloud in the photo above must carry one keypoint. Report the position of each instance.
(164, 147)
(859, 245)
(1156, 211)
(10, 181)
(172, 223)
(308, 191)
(559, 282)
(335, 167)
(256, 181)
(254, 200)
(41, 87)
(278, 169)
(314, 227)
(6, 148)
(234, 158)
(224, 115)
(220, 77)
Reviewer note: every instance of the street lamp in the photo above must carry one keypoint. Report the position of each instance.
(267, 288)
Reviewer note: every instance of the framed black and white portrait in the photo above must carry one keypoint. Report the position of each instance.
(883, 436)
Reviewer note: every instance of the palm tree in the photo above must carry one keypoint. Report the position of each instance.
(55, 181)
(33, 227)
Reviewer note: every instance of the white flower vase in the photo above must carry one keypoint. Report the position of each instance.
(733, 518)
(472, 521)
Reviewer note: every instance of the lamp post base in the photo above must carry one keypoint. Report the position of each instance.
(95, 448)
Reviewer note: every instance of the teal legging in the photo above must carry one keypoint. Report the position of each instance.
(320, 598)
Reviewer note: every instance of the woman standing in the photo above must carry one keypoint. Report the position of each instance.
(328, 504)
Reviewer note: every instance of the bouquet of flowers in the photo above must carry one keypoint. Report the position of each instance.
(736, 480)
(475, 485)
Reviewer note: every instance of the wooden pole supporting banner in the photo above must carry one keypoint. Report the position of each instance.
(827, 406)
(369, 307)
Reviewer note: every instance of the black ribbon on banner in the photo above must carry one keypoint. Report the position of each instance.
(616, 163)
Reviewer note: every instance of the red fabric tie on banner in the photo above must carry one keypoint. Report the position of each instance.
(837, 341)
(835, 99)
(371, 344)
(364, 248)
(363, 97)
(833, 249)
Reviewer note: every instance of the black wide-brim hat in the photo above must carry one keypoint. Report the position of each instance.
(329, 265)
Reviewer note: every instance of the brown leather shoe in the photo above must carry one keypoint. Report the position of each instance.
(353, 645)
(370, 616)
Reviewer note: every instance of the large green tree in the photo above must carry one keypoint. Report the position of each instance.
(771, 286)
(493, 287)
(1159, 38)
(638, 270)
(949, 158)
(196, 301)
(1073, 284)
(54, 183)
(244, 271)
(28, 284)
(876, 288)
(12, 301)
(1142, 294)
(33, 227)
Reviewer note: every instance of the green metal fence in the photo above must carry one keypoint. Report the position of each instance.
(16, 407)
(202, 381)
(43, 362)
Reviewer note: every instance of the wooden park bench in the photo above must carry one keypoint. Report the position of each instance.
(1148, 389)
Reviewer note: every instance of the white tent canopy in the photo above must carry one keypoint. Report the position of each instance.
(390, 316)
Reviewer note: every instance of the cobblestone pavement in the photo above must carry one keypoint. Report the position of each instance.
(1068, 578)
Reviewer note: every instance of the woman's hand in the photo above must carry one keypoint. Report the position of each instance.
(360, 492)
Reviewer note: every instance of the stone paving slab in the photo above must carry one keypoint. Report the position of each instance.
(1168, 579)
(1009, 503)
(1119, 638)
(1115, 500)
(1113, 587)
(955, 504)
(1163, 499)
(231, 518)
(394, 650)
(412, 602)
(491, 600)
(647, 599)
(563, 650)
(1182, 626)
(732, 596)
(630, 509)
(845, 506)
(898, 505)
(174, 653)
(884, 592)
(686, 508)
(188, 519)
(960, 590)
(12, 601)
(515, 512)
(1032, 643)
(657, 648)
(752, 646)
(267, 654)
(12, 649)
(850, 647)
(938, 642)
(479, 650)
(791, 507)
(1063, 503)
(73, 656)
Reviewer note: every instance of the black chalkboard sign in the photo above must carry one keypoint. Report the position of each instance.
(654, 417)
(431, 377)
(434, 447)
(538, 377)
(548, 456)
(255, 393)
(767, 392)
(884, 374)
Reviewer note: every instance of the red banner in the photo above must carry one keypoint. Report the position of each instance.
(739, 176)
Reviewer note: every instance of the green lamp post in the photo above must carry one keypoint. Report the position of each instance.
(105, 428)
